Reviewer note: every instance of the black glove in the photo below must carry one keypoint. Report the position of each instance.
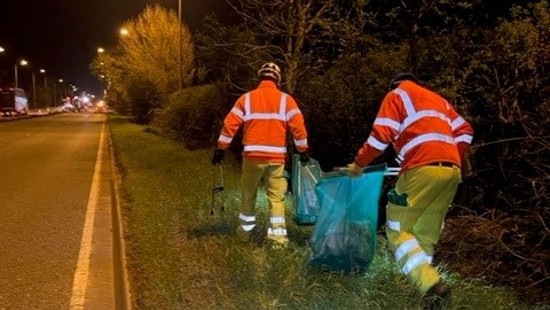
(304, 157)
(218, 156)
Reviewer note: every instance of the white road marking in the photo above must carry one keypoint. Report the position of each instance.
(80, 281)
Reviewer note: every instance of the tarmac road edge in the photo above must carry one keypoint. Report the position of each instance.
(123, 296)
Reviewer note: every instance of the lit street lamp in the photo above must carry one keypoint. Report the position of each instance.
(123, 32)
(2, 50)
(46, 96)
(43, 71)
(100, 50)
(22, 63)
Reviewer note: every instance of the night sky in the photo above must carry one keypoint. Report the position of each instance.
(62, 36)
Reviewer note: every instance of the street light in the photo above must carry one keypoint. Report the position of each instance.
(100, 50)
(2, 50)
(33, 90)
(43, 71)
(179, 42)
(60, 81)
(123, 31)
(23, 62)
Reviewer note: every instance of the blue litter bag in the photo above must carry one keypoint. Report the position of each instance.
(304, 179)
(344, 237)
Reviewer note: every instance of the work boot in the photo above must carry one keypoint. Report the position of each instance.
(254, 235)
(277, 244)
(437, 296)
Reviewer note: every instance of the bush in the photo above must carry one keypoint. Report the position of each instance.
(340, 106)
(144, 98)
(192, 115)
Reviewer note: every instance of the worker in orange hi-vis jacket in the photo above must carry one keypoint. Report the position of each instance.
(431, 140)
(266, 113)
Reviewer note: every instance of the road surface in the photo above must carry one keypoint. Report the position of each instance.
(56, 203)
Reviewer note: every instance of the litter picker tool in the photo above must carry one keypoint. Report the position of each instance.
(218, 190)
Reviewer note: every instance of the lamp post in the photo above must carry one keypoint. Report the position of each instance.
(60, 81)
(2, 50)
(43, 71)
(179, 43)
(33, 90)
(22, 63)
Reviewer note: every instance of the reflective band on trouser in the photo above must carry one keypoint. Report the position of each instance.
(414, 262)
(247, 222)
(393, 225)
(274, 220)
(406, 248)
(276, 232)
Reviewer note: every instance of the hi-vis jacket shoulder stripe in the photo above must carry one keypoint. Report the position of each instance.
(423, 127)
(266, 112)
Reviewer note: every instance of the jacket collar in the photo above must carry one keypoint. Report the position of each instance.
(267, 83)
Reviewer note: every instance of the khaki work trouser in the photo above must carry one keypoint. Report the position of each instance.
(271, 175)
(414, 219)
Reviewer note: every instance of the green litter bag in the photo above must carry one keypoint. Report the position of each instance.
(344, 236)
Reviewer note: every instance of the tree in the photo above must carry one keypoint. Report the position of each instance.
(150, 48)
(300, 34)
(112, 72)
(145, 61)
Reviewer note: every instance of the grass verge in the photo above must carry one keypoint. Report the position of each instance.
(182, 257)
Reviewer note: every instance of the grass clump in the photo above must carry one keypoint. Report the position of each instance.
(181, 257)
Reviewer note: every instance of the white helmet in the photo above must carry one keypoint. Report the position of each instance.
(270, 70)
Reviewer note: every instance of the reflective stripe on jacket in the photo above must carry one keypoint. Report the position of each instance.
(423, 127)
(266, 112)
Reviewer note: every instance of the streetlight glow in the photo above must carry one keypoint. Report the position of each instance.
(60, 80)
(124, 31)
(100, 50)
(2, 49)
(42, 71)
(23, 62)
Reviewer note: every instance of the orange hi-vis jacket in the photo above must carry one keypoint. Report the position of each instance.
(266, 112)
(423, 127)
